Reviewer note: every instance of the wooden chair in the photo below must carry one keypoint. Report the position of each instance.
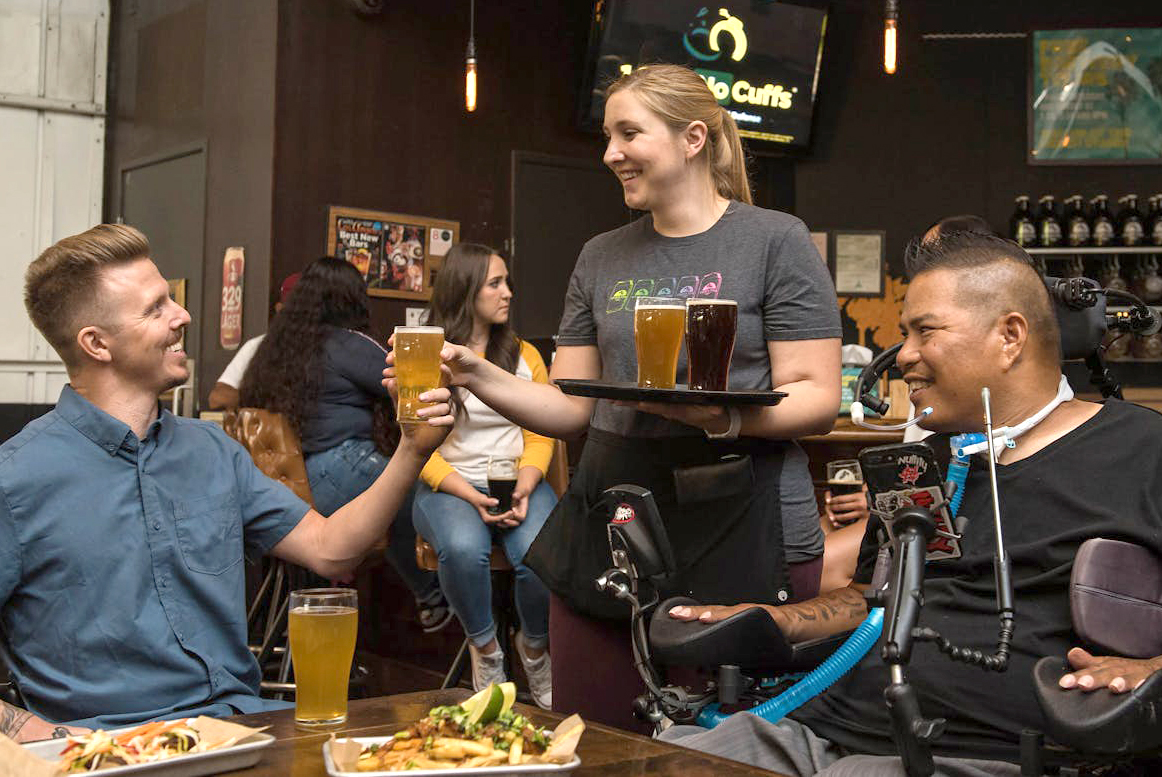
(276, 451)
(502, 581)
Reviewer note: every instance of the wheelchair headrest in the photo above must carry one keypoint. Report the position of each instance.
(1082, 323)
(1116, 598)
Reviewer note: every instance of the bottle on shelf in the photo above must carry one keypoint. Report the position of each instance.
(1110, 276)
(1147, 283)
(1102, 230)
(1021, 227)
(1048, 224)
(1154, 221)
(1076, 224)
(1131, 231)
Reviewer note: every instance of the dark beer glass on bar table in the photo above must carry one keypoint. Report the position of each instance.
(710, 329)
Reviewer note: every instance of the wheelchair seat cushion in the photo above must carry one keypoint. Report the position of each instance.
(1099, 721)
(747, 639)
(1116, 598)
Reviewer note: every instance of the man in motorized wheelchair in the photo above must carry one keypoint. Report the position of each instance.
(976, 314)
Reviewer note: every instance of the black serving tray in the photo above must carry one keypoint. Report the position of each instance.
(679, 395)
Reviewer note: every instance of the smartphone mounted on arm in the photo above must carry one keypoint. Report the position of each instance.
(907, 474)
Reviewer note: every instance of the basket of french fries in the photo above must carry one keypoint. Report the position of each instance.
(483, 735)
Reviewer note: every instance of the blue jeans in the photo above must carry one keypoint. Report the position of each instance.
(463, 544)
(338, 475)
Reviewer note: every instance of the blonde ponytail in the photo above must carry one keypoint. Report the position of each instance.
(679, 96)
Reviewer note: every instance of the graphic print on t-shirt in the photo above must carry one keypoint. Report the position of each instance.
(707, 285)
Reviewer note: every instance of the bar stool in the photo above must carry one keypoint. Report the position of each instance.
(503, 608)
(275, 449)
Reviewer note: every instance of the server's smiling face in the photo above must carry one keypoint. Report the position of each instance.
(647, 156)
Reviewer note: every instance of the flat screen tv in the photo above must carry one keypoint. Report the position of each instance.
(760, 58)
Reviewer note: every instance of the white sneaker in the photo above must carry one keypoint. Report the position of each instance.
(539, 670)
(486, 667)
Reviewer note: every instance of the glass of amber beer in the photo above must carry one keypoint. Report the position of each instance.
(658, 323)
(322, 625)
(417, 367)
(710, 328)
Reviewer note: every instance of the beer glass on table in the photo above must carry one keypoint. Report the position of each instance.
(322, 624)
(710, 329)
(658, 325)
(417, 367)
(844, 477)
(501, 483)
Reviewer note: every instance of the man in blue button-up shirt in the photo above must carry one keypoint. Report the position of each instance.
(123, 528)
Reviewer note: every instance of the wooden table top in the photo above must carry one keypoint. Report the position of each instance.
(603, 750)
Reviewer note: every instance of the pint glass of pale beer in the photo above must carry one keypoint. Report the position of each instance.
(417, 367)
(658, 323)
(322, 625)
(710, 328)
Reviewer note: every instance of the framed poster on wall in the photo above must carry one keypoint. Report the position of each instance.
(397, 254)
(1095, 96)
(857, 262)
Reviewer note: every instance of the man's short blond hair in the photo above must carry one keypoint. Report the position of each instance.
(62, 285)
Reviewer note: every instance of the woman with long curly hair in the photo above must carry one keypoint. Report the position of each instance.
(319, 367)
(453, 510)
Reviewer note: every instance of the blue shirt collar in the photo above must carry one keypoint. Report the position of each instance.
(102, 429)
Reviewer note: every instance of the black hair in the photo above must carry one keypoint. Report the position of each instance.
(994, 276)
(965, 222)
(286, 373)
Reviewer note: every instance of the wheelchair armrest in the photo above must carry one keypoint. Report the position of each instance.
(1099, 721)
(749, 639)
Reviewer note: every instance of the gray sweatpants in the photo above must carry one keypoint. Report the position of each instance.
(791, 748)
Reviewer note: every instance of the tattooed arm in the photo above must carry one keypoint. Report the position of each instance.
(22, 726)
(831, 613)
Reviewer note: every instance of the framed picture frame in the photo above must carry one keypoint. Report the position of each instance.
(396, 253)
(857, 262)
(1093, 96)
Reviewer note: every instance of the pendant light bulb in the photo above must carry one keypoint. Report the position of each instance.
(890, 16)
(470, 62)
(470, 85)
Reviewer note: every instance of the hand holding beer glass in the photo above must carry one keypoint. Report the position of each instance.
(417, 367)
(845, 500)
(322, 625)
(710, 330)
(501, 483)
(658, 324)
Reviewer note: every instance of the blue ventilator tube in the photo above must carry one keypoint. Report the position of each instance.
(862, 639)
(958, 467)
(814, 682)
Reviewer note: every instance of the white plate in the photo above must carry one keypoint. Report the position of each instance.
(525, 770)
(237, 756)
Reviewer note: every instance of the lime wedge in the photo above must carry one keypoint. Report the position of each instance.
(472, 701)
(489, 706)
(509, 691)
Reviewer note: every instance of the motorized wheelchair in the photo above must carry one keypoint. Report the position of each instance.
(1089, 732)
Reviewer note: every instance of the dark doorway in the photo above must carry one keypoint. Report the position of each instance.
(558, 203)
(165, 197)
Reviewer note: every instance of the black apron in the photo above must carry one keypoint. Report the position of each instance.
(722, 516)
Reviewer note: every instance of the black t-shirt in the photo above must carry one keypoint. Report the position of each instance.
(1103, 479)
(352, 374)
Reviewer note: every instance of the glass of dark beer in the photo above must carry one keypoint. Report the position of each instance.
(501, 483)
(710, 328)
(844, 477)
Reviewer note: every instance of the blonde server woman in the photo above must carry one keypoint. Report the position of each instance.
(743, 521)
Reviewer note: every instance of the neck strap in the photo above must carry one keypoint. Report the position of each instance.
(1008, 434)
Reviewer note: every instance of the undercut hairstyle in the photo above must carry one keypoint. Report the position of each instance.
(61, 286)
(679, 96)
(286, 373)
(994, 276)
(965, 222)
